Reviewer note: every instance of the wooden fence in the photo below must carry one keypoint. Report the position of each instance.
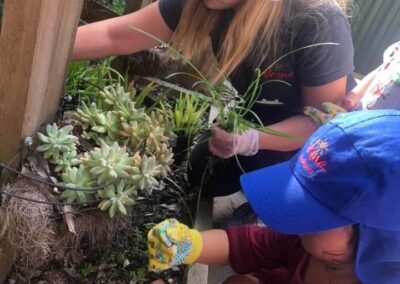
(35, 43)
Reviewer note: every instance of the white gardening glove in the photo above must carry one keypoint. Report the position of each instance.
(225, 145)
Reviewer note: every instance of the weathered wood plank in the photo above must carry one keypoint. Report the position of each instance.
(35, 43)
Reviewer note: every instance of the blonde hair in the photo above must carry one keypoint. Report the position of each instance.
(255, 30)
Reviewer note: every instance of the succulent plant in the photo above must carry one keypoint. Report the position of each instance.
(154, 137)
(86, 116)
(90, 135)
(57, 141)
(107, 123)
(162, 117)
(77, 178)
(144, 172)
(66, 160)
(134, 133)
(115, 95)
(108, 163)
(128, 112)
(116, 197)
(164, 157)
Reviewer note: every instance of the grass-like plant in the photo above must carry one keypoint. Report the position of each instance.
(230, 117)
(188, 114)
(86, 79)
(118, 6)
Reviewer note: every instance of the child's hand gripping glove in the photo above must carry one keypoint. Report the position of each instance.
(319, 117)
(171, 243)
(225, 145)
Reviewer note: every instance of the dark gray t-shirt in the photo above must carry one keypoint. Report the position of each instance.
(312, 67)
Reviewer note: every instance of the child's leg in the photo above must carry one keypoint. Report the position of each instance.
(241, 279)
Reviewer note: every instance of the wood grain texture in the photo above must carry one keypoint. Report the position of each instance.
(35, 43)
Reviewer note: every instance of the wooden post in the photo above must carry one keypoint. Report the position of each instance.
(35, 43)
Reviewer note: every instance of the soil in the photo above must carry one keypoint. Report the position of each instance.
(124, 258)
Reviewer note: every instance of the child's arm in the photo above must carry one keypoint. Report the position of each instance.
(215, 248)
(246, 248)
(354, 97)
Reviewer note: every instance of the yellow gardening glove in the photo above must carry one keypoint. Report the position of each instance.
(171, 243)
(319, 117)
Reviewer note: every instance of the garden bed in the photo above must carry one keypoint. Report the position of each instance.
(58, 234)
(116, 254)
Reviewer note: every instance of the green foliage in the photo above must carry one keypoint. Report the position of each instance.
(66, 160)
(86, 115)
(118, 6)
(77, 178)
(164, 157)
(86, 79)
(231, 114)
(163, 117)
(115, 95)
(56, 141)
(145, 170)
(86, 269)
(188, 114)
(108, 163)
(107, 123)
(116, 197)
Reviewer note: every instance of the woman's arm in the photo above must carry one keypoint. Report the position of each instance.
(116, 36)
(301, 126)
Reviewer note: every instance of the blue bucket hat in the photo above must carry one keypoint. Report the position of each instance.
(348, 172)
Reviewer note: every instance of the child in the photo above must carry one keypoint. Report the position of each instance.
(332, 212)
(380, 89)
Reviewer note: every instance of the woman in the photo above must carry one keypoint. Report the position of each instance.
(245, 35)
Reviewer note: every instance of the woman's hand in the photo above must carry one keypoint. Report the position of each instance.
(226, 145)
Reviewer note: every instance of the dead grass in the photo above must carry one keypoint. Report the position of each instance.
(39, 235)
(28, 227)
